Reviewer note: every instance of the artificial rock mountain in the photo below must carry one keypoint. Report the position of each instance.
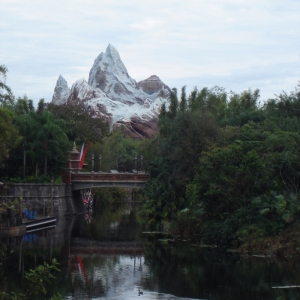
(111, 94)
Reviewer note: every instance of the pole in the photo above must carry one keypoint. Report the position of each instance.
(93, 156)
(141, 162)
(52, 205)
(135, 158)
(100, 158)
(20, 255)
(20, 204)
(24, 161)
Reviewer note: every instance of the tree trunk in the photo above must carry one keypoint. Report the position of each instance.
(24, 162)
(36, 169)
(45, 166)
(46, 160)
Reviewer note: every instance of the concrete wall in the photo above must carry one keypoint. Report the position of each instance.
(41, 197)
(50, 242)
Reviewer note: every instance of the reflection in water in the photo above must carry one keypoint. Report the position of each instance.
(107, 257)
(216, 274)
(116, 223)
(171, 268)
(88, 198)
(107, 276)
(113, 277)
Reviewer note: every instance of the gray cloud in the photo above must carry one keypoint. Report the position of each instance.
(233, 43)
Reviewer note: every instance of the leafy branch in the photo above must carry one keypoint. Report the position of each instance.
(38, 279)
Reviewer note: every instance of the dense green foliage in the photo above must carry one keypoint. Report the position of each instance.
(226, 168)
(34, 143)
(41, 146)
(223, 166)
(118, 153)
(110, 196)
(6, 95)
(80, 126)
(39, 282)
(8, 134)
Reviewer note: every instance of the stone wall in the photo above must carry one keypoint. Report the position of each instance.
(42, 197)
(43, 243)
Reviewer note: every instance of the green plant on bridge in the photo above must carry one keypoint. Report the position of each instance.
(14, 206)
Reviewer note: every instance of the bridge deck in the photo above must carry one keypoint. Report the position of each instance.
(82, 180)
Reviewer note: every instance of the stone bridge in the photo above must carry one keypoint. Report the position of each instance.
(84, 180)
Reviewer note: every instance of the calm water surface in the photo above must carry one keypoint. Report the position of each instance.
(106, 256)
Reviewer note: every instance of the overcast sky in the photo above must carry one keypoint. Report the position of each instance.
(235, 44)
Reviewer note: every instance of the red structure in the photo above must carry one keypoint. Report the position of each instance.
(82, 157)
(85, 180)
(73, 165)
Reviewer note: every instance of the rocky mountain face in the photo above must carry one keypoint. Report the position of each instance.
(61, 91)
(111, 94)
(155, 87)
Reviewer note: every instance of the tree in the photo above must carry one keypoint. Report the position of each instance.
(41, 106)
(173, 104)
(80, 126)
(50, 138)
(161, 202)
(8, 134)
(183, 102)
(225, 183)
(39, 281)
(28, 126)
(6, 95)
(284, 105)
(242, 108)
(118, 152)
(178, 147)
(190, 134)
(192, 99)
(163, 111)
(23, 106)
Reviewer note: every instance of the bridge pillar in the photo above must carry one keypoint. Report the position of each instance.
(78, 206)
(73, 165)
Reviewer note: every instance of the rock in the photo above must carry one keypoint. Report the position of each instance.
(61, 91)
(80, 92)
(138, 128)
(153, 85)
(110, 75)
(111, 94)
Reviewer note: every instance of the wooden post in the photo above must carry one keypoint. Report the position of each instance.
(20, 255)
(20, 205)
(52, 205)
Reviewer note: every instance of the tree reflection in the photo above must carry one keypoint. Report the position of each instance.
(187, 271)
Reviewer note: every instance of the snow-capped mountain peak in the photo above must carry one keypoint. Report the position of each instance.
(110, 75)
(113, 57)
(112, 94)
(61, 91)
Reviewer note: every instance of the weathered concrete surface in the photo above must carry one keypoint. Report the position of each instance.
(42, 197)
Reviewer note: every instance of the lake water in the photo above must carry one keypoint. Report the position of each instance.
(107, 256)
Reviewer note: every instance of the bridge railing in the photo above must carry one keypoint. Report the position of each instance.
(109, 176)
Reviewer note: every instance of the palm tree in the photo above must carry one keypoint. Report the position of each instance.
(5, 91)
(8, 134)
(27, 127)
(42, 137)
(51, 138)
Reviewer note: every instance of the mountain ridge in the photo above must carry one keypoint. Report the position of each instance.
(110, 93)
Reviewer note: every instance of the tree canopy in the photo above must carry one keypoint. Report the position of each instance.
(226, 167)
(36, 141)
(6, 95)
